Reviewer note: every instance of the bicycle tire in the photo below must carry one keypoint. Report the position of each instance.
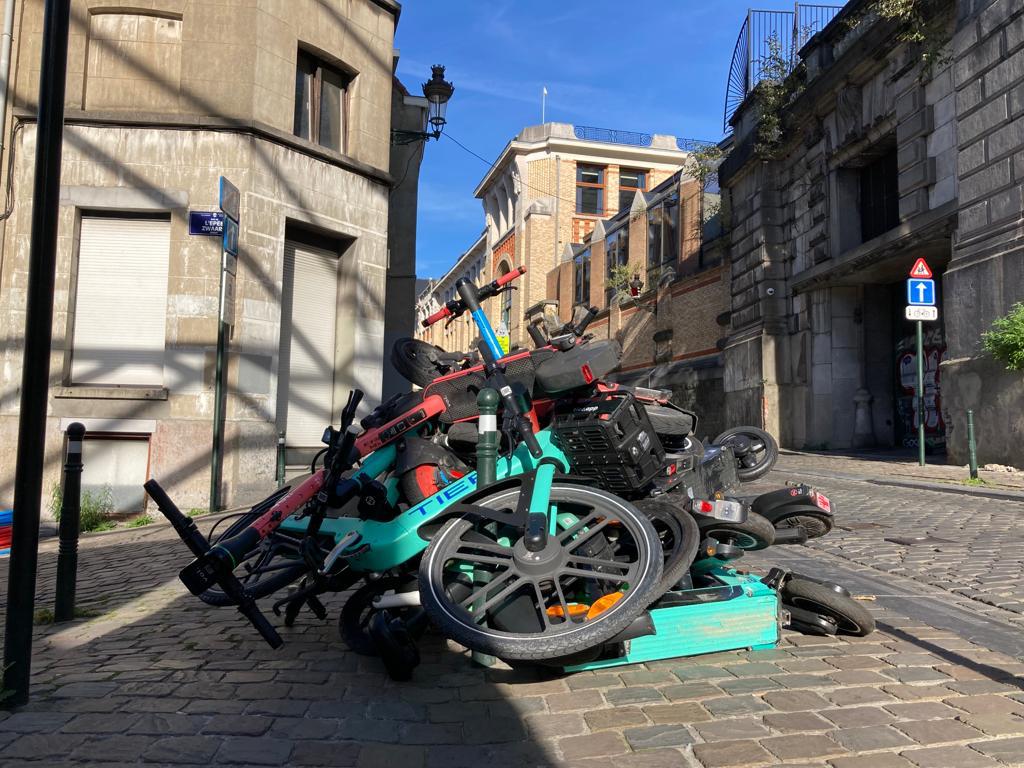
(456, 623)
(680, 537)
(761, 466)
(357, 613)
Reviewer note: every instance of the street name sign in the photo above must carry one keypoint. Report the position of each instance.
(922, 313)
(231, 236)
(205, 223)
(921, 292)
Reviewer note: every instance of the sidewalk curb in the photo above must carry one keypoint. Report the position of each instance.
(950, 488)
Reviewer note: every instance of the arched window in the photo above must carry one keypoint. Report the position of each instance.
(506, 298)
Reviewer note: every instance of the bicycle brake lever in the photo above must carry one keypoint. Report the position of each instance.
(346, 541)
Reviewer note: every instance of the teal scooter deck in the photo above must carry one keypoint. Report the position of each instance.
(738, 612)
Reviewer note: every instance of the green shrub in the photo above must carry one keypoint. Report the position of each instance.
(97, 507)
(140, 521)
(1005, 341)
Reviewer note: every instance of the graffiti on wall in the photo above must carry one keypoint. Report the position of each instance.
(907, 409)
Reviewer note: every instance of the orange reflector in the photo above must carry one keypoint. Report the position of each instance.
(575, 609)
(603, 604)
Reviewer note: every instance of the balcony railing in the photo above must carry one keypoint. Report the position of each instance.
(791, 30)
(633, 138)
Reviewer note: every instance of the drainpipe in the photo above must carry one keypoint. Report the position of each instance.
(5, 70)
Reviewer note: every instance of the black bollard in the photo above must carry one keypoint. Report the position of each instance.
(70, 514)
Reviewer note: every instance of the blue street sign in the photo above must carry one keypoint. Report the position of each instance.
(231, 236)
(920, 292)
(230, 198)
(205, 223)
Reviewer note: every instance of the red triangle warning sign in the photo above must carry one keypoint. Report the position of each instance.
(920, 269)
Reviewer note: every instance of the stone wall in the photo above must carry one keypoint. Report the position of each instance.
(986, 276)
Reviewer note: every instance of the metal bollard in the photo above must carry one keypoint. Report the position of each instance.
(280, 458)
(486, 466)
(70, 512)
(972, 447)
(487, 445)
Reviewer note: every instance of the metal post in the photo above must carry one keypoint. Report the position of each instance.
(70, 514)
(920, 393)
(28, 476)
(280, 458)
(486, 469)
(216, 456)
(972, 447)
(487, 443)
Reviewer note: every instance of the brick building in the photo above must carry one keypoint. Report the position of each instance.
(294, 104)
(881, 160)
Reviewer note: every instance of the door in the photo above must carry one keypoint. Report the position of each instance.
(305, 395)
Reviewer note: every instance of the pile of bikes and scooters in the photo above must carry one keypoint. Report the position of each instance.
(530, 510)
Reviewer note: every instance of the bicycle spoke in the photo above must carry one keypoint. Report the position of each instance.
(543, 609)
(583, 537)
(474, 596)
(598, 562)
(594, 575)
(480, 611)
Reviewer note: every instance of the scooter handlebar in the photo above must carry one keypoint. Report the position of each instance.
(508, 277)
(441, 314)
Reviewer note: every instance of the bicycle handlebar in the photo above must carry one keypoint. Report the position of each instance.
(456, 307)
(198, 574)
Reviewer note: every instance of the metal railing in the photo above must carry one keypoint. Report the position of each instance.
(633, 138)
(790, 30)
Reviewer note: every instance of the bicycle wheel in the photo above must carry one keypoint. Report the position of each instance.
(601, 568)
(815, 525)
(680, 538)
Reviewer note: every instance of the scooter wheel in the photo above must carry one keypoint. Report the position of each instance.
(815, 526)
(756, 451)
(395, 645)
(851, 617)
(752, 534)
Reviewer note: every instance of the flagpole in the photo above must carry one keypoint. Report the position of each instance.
(543, 99)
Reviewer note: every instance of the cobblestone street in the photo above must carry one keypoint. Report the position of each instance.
(155, 676)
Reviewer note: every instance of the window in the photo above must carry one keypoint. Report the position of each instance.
(630, 182)
(879, 196)
(590, 189)
(662, 238)
(581, 278)
(120, 315)
(320, 96)
(616, 250)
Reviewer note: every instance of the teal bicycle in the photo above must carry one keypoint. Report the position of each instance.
(537, 565)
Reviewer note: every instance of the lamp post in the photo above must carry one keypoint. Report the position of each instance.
(437, 92)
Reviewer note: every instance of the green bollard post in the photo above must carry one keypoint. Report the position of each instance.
(486, 465)
(972, 447)
(487, 445)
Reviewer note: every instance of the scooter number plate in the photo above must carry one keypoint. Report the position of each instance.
(821, 502)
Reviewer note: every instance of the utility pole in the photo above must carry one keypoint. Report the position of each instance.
(35, 373)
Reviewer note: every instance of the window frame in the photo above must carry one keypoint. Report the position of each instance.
(602, 199)
(880, 175)
(666, 256)
(581, 277)
(313, 107)
(616, 253)
(646, 179)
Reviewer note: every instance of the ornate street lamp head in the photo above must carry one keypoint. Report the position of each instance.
(438, 92)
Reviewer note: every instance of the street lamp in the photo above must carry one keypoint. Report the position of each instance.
(438, 92)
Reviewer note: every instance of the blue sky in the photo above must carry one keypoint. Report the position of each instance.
(656, 66)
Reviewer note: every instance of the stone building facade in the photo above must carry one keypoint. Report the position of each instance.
(292, 102)
(882, 160)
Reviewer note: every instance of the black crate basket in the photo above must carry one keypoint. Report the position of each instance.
(610, 439)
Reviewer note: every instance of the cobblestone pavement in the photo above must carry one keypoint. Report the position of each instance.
(159, 678)
(974, 546)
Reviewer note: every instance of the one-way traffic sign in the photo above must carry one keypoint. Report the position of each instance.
(921, 293)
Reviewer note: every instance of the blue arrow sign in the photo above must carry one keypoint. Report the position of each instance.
(920, 292)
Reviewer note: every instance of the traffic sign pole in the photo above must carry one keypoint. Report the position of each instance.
(920, 393)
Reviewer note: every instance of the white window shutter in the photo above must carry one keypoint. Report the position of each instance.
(120, 323)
